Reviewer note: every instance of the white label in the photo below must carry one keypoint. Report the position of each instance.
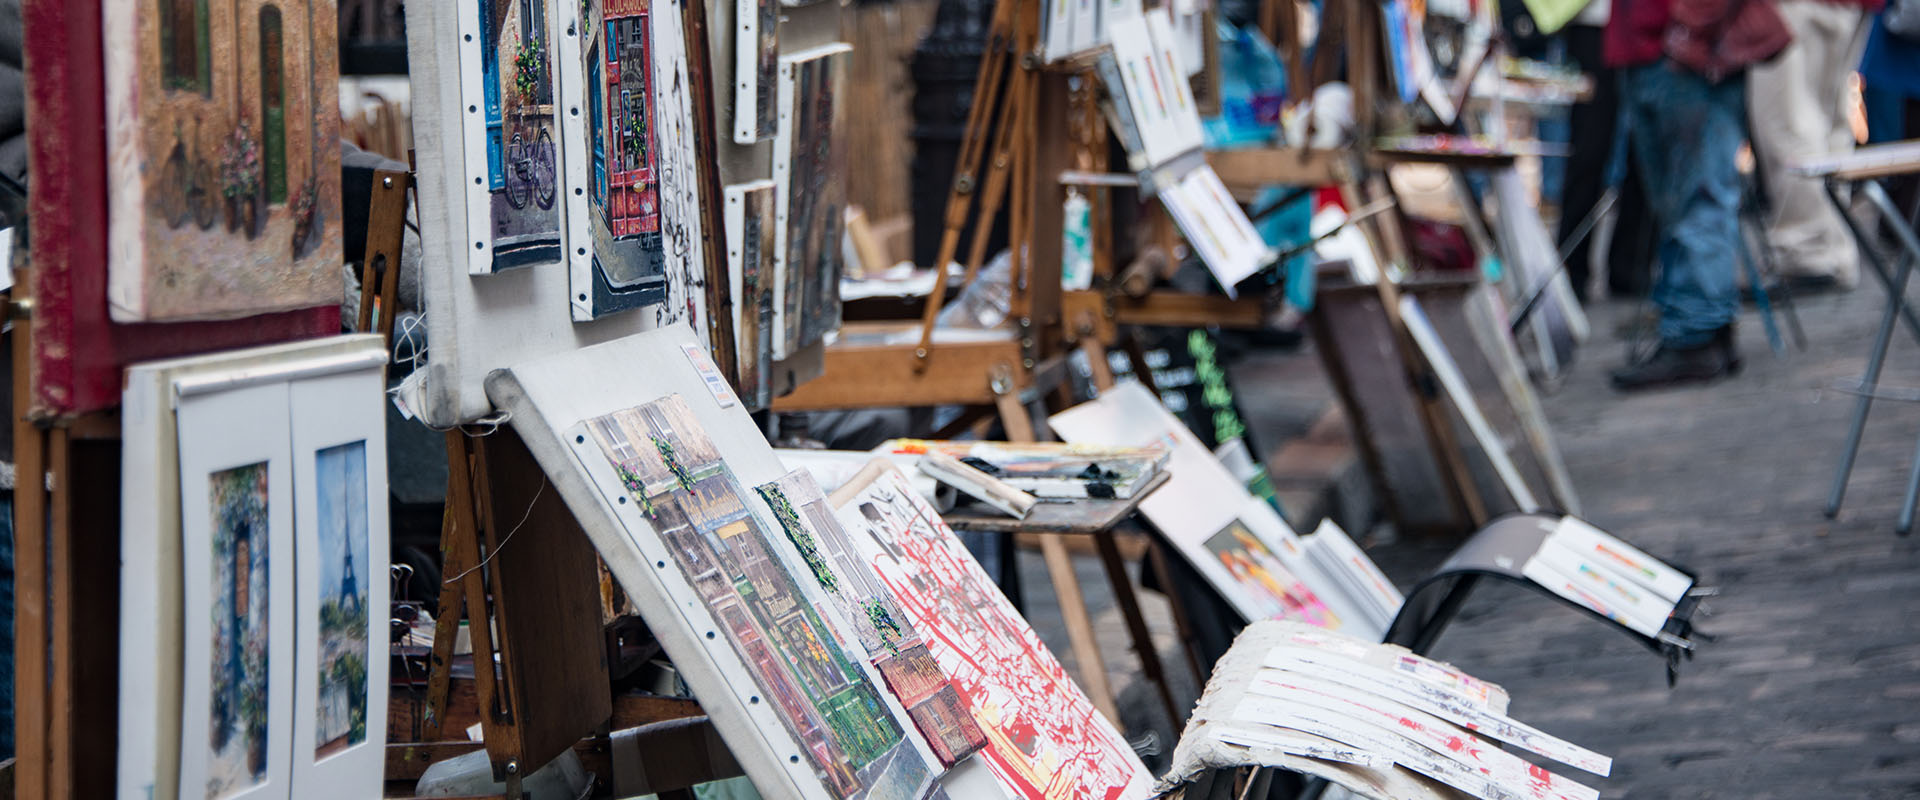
(716, 383)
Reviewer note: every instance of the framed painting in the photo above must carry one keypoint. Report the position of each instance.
(341, 605)
(510, 129)
(756, 60)
(621, 263)
(750, 248)
(223, 128)
(170, 531)
(664, 491)
(236, 513)
(1044, 737)
(809, 166)
(883, 634)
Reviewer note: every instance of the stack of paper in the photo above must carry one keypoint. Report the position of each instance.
(1350, 573)
(1375, 719)
(1610, 577)
(1050, 470)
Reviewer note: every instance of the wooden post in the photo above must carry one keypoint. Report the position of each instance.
(380, 269)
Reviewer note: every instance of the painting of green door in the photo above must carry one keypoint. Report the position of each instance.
(273, 105)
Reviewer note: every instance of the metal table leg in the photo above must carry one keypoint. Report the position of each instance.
(1911, 243)
(1896, 284)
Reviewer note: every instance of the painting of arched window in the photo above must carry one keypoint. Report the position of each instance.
(273, 105)
(184, 60)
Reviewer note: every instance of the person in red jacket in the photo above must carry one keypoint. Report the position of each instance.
(1683, 98)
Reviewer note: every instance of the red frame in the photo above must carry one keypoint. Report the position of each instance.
(79, 353)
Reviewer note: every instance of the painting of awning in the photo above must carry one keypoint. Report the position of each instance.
(223, 147)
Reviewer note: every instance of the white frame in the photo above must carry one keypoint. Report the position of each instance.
(746, 71)
(326, 412)
(218, 431)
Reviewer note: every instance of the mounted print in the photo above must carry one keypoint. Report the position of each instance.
(687, 496)
(1044, 737)
(625, 265)
(750, 248)
(223, 129)
(756, 61)
(510, 126)
(883, 632)
(809, 167)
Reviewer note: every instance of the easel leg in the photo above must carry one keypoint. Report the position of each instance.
(1066, 583)
(1129, 603)
(31, 753)
(446, 624)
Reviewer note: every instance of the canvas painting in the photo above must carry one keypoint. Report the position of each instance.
(1259, 573)
(510, 127)
(223, 129)
(1044, 737)
(750, 223)
(888, 638)
(674, 473)
(756, 61)
(809, 164)
(625, 266)
(237, 738)
(680, 169)
(341, 713)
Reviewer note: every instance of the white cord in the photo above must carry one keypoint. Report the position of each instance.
(508, 538)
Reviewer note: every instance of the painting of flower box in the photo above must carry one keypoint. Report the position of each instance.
(223, 128)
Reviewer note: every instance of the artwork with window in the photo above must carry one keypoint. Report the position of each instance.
(624, 265)
(809, 167)
(223, 129)
(750, 274)
(513, 207)
(237, 733)
(672, 474)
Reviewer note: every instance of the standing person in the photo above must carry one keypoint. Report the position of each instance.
(1802, 102)
(1684, 91)
(1890, 87)
(1594, 125)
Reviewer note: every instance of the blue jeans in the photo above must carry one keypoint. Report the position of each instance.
(1685, 133)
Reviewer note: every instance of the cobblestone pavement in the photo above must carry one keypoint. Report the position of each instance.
(1813, 687)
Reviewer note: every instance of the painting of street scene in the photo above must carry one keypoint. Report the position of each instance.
(816, 198)
(223, 131)
(340, 719)
(882, 630)
(237, 743)
(724, 552)
(522, 163)
(629, 244)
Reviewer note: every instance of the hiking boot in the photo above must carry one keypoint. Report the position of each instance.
(1670, 366)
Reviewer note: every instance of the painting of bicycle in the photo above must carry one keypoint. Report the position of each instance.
(223, 129)
(520, 207)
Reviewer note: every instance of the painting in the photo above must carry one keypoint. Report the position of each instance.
(510, 126)
(884, 633)
(674, 473)
(809, 162)
(626, 265)
(237, 733)
(749, 221)
(756, 60)
(341, 712)
(1044, 737)
(680, 170)
(223, 129)
(1274, 589)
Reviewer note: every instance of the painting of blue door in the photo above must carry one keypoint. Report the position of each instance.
(490, 79)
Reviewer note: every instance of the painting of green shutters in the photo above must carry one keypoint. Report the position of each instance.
(273, 105)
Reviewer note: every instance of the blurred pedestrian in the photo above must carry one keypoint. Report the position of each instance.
(1594, 125)
(1683, 65)
(1890, 87)
(1801, 105)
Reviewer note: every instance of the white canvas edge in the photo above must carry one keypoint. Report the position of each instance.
(476, 325)
(782, 174)
(148, 753)
(126, 252)
(328, 411)
(735, 213)
(1444, 368)
(473, 135)
(1669, 583)
(746, 72)
(541, 393)
(577, 233)
(219, 431)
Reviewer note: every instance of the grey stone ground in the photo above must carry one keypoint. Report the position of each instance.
(1813, 688)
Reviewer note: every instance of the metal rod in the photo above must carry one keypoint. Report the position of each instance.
(1081, 177)
(1877, 357)
(1579, 234)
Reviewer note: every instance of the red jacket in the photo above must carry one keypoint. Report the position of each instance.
(1713, 38)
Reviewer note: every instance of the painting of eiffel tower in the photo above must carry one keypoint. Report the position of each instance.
(341, 480)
